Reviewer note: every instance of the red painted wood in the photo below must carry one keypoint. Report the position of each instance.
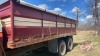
(49, 31)
(5, 9)
(48, 16)
(61, 19)
(4, 5)
(74, 30)
(68, 20)
(73, 22)
(27, 12)
(29, 32)
(5, 12)
(61, 30)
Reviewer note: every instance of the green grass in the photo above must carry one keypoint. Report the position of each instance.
(97, 39)
(85, 36)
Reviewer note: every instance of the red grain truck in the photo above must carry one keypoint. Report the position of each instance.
(27, 27)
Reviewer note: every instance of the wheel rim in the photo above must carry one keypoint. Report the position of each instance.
(62, 48)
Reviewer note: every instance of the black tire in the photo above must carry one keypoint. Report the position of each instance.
(69, 43)
(62, 48)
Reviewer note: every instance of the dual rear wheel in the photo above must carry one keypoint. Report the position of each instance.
(64, 46)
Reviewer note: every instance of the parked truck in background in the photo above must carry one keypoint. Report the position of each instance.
(27, 27)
